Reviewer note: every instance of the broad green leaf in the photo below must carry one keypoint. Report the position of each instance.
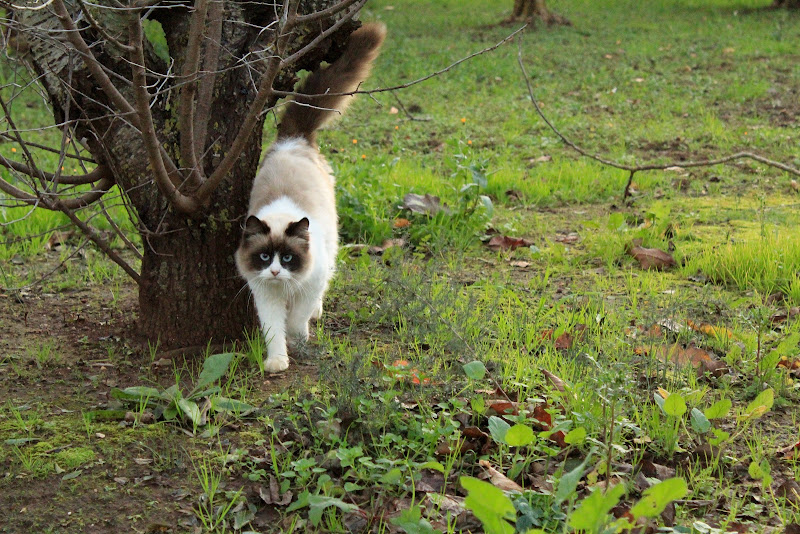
(659, 400)
(576, 436)
(135, 393)
(762, 403)
(213, 369)
(190, 409)
(592, 513)
(224, 404)
(19, 441)
(498, 429)
(789, 345)
(759, 471)
(674, 405)
(436, 466)
(490, 505)
(478, 404)
(392, 477)
(519, 436)
(412, 522)
(569, 481)
(317, 504)
(474, 370)
(656, 498)
(699, 421)
(719, 409)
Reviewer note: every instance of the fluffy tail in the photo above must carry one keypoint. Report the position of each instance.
(304, 116)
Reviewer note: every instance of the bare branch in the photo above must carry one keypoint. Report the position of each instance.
(186, 107)
(49, 149)
(439, 72)
(98, 173)
(324, 13)
(647, 166)
(118, 231)
(102, 31)
(322, 36)
(205, 92)
(182, 203)
(99, 189)
(89, 232)
(248, 126)
(90, 60)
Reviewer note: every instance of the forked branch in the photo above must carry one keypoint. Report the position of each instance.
(633, 169)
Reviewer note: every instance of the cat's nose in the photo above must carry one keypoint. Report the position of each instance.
(275, 272)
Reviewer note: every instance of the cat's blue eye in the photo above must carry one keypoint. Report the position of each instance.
(286, 258)
(264, 256)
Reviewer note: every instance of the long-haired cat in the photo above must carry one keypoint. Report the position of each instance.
(288, 249)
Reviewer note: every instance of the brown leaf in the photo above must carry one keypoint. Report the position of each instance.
(430, 482)
(702, 360)
(790, 451)
(401, 223)
(501, 242)
(424, 204)
(567, 239)
(389, 243)
(790, 490)
(782, 315)
(498, 479)
(792, 528)
(653, 470)
(503, 408)
(272, 495)
(554, 381)
(718, 332)
(652, 258)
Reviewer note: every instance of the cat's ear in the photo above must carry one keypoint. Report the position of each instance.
(298, 229)
(255, 226)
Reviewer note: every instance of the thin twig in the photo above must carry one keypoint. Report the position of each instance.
(205, 92)
(99, 74)
(632, 169)
(153, 148)
(186, 107)
(324, 13)
(439, 72)
(99, 28)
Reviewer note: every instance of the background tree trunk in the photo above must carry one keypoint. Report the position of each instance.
(789, 4)
(532, 11)
(189, 290)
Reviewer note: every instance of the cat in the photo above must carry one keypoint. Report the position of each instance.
(289, 242)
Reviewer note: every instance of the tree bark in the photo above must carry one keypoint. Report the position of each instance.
(788, 4)
(532, 11)
(189, 290)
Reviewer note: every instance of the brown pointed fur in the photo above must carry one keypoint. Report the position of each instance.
(304, 116)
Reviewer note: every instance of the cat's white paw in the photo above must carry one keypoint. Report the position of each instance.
(276, 364)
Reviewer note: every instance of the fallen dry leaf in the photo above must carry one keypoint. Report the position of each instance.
(794, 185)
(389, 243)
(503, 408)
(567, 239)
(554, 381)
(498, 479)
(401, 223)
(718, 332)
(652, 258)
(702, 360)
(783, 315)
(790, 451)
(272, 494)
(425, 204)
(501, 242)
(790, 490)
(520, 264)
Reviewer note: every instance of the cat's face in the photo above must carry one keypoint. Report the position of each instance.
(274, 253)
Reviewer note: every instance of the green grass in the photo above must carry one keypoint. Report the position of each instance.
(353, 424)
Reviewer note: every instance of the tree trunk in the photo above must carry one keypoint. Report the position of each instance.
(531, 11)
(788, 4)
(189, 290)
